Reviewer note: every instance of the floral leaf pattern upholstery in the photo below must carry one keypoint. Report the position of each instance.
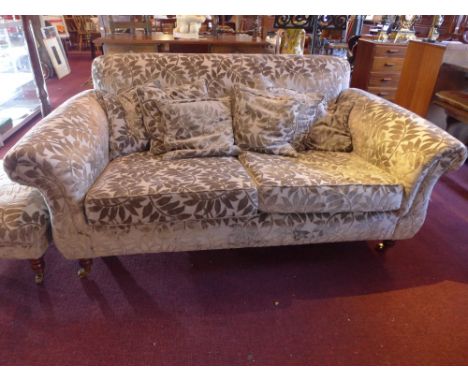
(264, 229)
(127, 133)
(264, 123)
(312, 73)
(24, 220)
(311, 108)
(151, 96)
(331, 132)
(141, 189)
(399, 141)
(321, 182)
(62, 156)
(197, 128)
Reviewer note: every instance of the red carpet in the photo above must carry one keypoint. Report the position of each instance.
(334, 304)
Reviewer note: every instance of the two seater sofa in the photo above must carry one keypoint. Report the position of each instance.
(138, 203)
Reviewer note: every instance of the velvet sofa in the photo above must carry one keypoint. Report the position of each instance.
(104, 205)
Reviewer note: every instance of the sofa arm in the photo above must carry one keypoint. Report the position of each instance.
(62, 156)
(400, 142)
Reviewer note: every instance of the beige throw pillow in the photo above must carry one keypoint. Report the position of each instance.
(274, 121)
(331, 132)
(311, 109)
(197, 128)
(150, 96)
(127, 133)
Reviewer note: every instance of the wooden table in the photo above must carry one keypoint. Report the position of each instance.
(167, 43)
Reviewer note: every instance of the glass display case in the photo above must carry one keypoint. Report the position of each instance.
(19, 101)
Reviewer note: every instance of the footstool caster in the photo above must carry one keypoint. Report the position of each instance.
(24, 224)
(38, 266)
(85, 268)
(384, 244)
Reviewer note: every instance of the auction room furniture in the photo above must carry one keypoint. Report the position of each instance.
(377, 67)
(421, 71)
(224, 43)
(130, 25)
(142, 203)
(455, 104)
(24, 224)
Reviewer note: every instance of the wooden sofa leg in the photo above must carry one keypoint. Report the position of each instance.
(38, 267)
(384, 244)
(85, 268)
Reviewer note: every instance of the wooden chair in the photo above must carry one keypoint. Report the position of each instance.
(131, 25)
(84, 28)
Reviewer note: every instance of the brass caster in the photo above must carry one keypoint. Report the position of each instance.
(85, 268)
(38, 266)
(383, 245)
(39, 278)
(82, 273)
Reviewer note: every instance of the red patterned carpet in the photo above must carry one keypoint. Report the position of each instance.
(333, 304)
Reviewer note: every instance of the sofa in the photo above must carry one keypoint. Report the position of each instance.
(105, 204)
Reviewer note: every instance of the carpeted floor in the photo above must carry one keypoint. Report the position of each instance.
(333, 304)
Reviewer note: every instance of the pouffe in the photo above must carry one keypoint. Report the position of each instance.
(24, 224)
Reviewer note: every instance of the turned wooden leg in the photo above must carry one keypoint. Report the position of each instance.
(384, 244)
(38, 266)
(85, 267)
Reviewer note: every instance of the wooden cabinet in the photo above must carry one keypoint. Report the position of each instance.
(377, 67)
(419, 76)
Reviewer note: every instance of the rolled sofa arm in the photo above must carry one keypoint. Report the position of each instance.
(414, 150)
(62, 156)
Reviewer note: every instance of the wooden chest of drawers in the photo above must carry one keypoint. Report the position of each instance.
(377, 67)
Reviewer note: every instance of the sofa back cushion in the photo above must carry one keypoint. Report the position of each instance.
(327, 75)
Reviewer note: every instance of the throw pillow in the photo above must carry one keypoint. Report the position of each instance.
(311, 109)
(127, 133)
(196, 128)
(331, 132)
(151, 95)
(266, 122)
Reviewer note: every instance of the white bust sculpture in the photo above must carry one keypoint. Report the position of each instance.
(188, 25)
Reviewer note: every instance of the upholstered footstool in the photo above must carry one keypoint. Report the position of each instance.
(24, 224)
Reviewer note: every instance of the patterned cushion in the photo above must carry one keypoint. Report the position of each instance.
(310, 110)
(331, 132)
(140, 188)
(24, 220)
(151, 95)
(318, 181)
(197, 128)
(263, 122)
(127, 133)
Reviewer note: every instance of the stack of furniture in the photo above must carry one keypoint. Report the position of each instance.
(377, 67)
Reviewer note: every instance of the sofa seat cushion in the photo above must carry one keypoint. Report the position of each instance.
(141, 188)
(319, 181)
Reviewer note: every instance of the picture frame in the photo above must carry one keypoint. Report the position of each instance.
(55, 50)
(58, 22)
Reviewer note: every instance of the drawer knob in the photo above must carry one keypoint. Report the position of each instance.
(389, 64)
(385, 79)
(392, 51)
(382, 93)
